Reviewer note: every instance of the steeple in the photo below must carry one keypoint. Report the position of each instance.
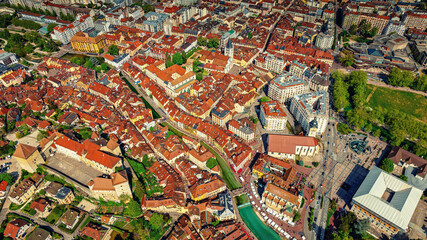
(229, 49)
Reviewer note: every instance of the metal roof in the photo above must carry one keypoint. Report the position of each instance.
(399, 209)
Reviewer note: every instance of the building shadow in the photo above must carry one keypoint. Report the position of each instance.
(349, 187)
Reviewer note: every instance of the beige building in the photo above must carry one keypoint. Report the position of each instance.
(220, 116)
(28, 157)
(354, 18)
(272, 116)
(280, 200)
(23, 191)
(112, 188)
(289, 146)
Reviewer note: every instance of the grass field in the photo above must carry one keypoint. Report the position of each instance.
(406, 102)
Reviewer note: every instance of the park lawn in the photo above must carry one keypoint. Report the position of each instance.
(226, 171)
(410, 103)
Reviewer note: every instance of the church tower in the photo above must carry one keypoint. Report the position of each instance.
(229, 49)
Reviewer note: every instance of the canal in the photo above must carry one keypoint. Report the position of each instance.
(257, 227)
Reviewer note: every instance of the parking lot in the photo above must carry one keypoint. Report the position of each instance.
(73, 168)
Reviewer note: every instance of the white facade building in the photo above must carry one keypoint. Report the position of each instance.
(285, 86)
(65, 33)
(311, 111)
(272, 116)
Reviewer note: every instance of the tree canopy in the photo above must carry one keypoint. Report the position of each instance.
(213, 43)
(401, 78)
(113, 49)
(387, 165)
(177, 59)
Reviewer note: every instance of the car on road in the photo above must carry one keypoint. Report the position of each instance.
(315, 219)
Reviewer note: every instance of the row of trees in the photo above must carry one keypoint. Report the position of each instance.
(211, 43)
(26, 24)
(349, 96)
(405, 78)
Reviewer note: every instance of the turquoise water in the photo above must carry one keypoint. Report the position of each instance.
(257, 227)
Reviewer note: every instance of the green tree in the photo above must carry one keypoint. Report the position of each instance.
(421, 147)
(361, 226)
(177, 59)
(138, 190)
(7, 177)
(51, 26)
(101, 51)
(373, 32)
(5, 34)
(404, 178)
(148, 8)
(133, 209)
(213, 43)
(357, 117)
(346, 60)
(420, 83)
(377, 133)
(199, 76)
(29, 48)
(387, 165)
(89, 64)
(297, 216)
(196, 63)
(156, 221)
(353, 29)
(264, 99)
(340, 91)
(201, 41)
(113, 49)
(401, 78)
(250, 35)
(104, 66)
(368, 128)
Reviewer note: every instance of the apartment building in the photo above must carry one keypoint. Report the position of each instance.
(220, 116)
(415, 20)
(311, 111)
(297, 69)
(242, 130)
(206, 190)
(273, 116)
(274, 64)
(396, 27)
(65, 33)
(324, 40)
(285, 86)
(354, 18)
